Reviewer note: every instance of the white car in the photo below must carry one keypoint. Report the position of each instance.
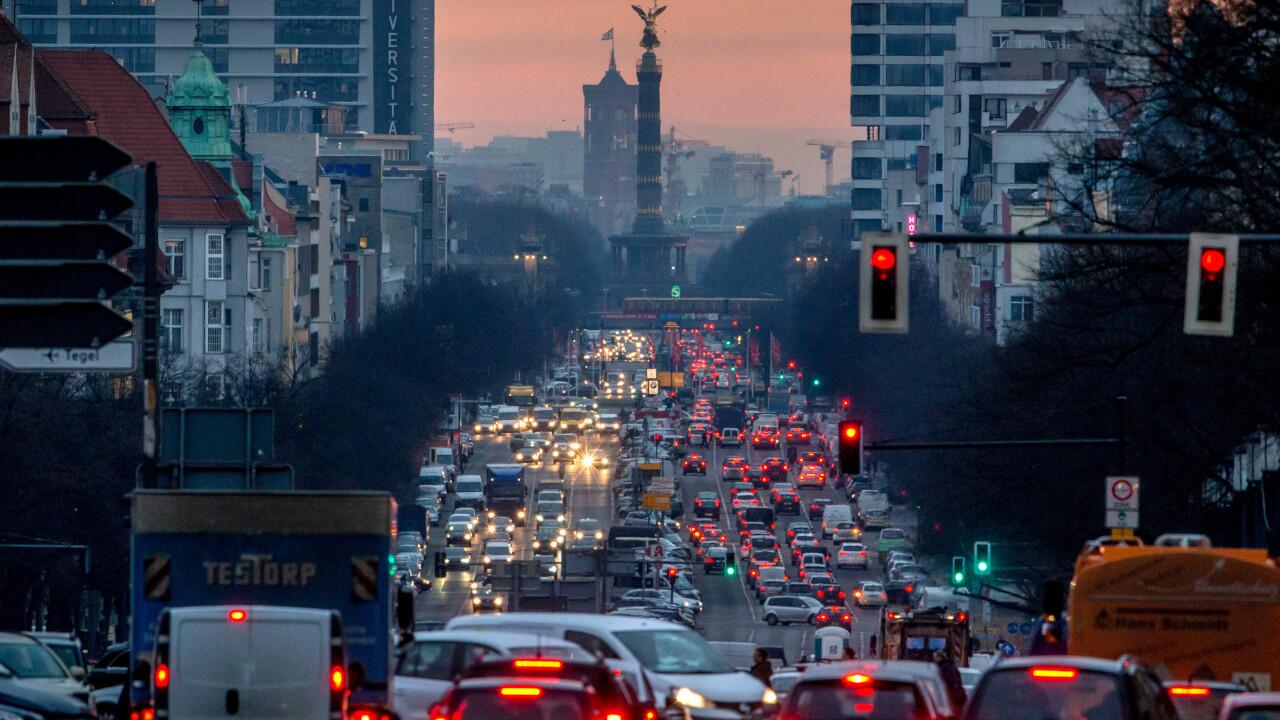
(731, 437)
(787, 609)
(468, 491)
(852, 555)
(870, 594)
(664, 597)
(496, 552)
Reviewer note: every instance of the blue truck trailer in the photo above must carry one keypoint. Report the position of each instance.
(505, 491)
(325, 550)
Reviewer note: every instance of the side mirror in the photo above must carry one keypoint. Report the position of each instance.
(355, 675)
(77, 673)
(5, 672)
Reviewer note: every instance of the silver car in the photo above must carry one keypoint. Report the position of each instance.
(787, 609)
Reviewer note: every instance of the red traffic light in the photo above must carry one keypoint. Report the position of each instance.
(884, 259)
(851, 432)
(791, 365)
(1213, 260)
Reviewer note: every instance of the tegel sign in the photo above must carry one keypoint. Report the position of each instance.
(393, 45)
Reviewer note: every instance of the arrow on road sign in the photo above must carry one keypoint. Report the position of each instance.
(51, 280)
(71, 240)
(82, 325)
(78, 158)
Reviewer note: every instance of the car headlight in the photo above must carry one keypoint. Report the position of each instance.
(560, 518)
(538, 517)
(769, 697)
(690, 698)
(520, 514)
(497, 601)
(487, 559)
(492, 514)
(477, 427)
(466, 536)
(475, 601)
(578, 535)
(537, 544)
(599, 534)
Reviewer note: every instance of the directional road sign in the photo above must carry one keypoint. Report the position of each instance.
(56, 246)
(651, 387)
(118, 356)
(656, 501)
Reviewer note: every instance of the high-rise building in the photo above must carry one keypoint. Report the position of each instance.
(373, 57)
(609, 149)
(896, 78)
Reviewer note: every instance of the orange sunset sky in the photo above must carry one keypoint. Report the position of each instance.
(762, 75)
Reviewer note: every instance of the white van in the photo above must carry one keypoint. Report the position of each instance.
(679, 665)
(468, 491)
(250, 662)
(833, 515)
(872, 500)
(765, 420)
(442, 455)
(426, 667)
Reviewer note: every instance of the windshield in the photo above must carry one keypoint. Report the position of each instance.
(468, 486)
(544, 414)
(30, 660)
(508, 414)
(573, 415)
(1016, 695)
(673, 651)
(891, 534)
(832, 701)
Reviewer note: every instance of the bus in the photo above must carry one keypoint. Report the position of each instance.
(1201, 613)
(521, 396)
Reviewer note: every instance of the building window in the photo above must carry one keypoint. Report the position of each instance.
(903, 132)
(871, 132)
(899, 45)
(171, 330)
(175, 255)
(1001, 39)
(937, 162)
(215, 257)
(255, 270)
(866, 168)
(904, 14)
(1027, 173)
(866, 13)
(264, 265)
(113, 7)
(937, 192)
(908, 75)
(945, 13)
(864, 105)
(318, 7)
(864, 75)
(315, 303)
(995, 108)
(43, 31)
(36, 7)
(955, 136)
(862, 227)
(867, 199)
(1075, 168)
(217, 319)
(937, 227)
(899, 202)
(1021, 308)
(905, 106)
(940, 43)
(1031, 8)
(318, 32)
(257, 339)
(975, 316)
(957, 104)
(363, 205)
(935, 75)
(863, 44)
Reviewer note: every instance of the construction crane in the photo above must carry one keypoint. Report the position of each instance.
(455, 126)
(826, 153)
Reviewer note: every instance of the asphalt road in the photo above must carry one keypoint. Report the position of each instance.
(731, 612)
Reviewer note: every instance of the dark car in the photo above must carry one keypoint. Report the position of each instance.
(799, 588)
(901, 592)
(865, 691)
(787, 503)
(817, 506)
(834, 616)
(694, 465)
(856, 488)
(1200, 699)
(707, 504)
(828, 591)
(1070, 687)
(21, 699)
(520, 698)
(775, 469)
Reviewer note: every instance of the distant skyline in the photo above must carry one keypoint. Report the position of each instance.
(746, 74)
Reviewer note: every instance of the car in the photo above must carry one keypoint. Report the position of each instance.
(697, 435)
(812, 562)
(707, 504)
(798, 434)
(694, 465)
(799, 527)
(34, 664)
(764, 440)
(486, 599)
(863, 690)
(497, 552)
(799, 587)
(769, 588)
(826, 589)
(667, 596)
(852, 555)
(835, 616)
(846, 532)
(456, 558)
(872, 519)
(588, 534)
(548, 510)
(787, 609)
(787, 503)
(730, 437)
(607, 423)
(734, 467)
(812, 477)
(817, 506)
(1201, 699)
(500, 525)
(870, 594)
(1065, 686)
(68, 649)
(775, 469)
(529, 453)
(457, 533)
(800, 549)
(1251, 706)
(744, 498)
(907, 571)
(549, 536)
(891, 539)
(812, 457)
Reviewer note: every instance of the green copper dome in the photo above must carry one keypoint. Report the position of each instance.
(199, 85)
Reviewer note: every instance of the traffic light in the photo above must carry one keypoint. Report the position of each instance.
(791, 364)
(56, 243)
(730, 562)
(1212, 261)
(957, 571)
(850, 447)
(883, 283)
(846, 403)
(982, 558)
(816, 382)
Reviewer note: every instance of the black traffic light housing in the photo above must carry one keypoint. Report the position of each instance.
(958, 575)
(850, 443)
(883, 283)
(982, 558)
(1212, 262)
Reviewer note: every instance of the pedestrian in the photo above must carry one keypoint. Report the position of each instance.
(761, 669)
(873, 642)
(950, 677)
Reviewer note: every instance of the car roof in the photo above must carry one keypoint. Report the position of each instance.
(896, 670)
(553, 620)
(1245, 700)
(505, 640)
(15, 638)
(1080, 663)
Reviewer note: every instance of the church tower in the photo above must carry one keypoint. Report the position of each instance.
(609, 149)
(200, 111)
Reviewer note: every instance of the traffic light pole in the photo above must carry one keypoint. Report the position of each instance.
(150, 331)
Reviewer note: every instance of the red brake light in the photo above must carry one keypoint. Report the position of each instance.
(162, 676)
(539, 665)
(1054, 673)
(510, 691)
(1189, 691)
(613, 716)
(863, 707)
(237, 615)
(856, 679)
(337, 679)
(846, 617)
(909, 588)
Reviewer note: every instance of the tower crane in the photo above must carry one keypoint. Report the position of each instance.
(826, 153)
(455, 126)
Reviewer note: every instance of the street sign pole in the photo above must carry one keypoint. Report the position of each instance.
(151, 333)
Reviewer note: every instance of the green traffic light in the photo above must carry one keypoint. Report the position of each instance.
(983, 567)
(730, 571)
(816, 382)
(959, 578)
